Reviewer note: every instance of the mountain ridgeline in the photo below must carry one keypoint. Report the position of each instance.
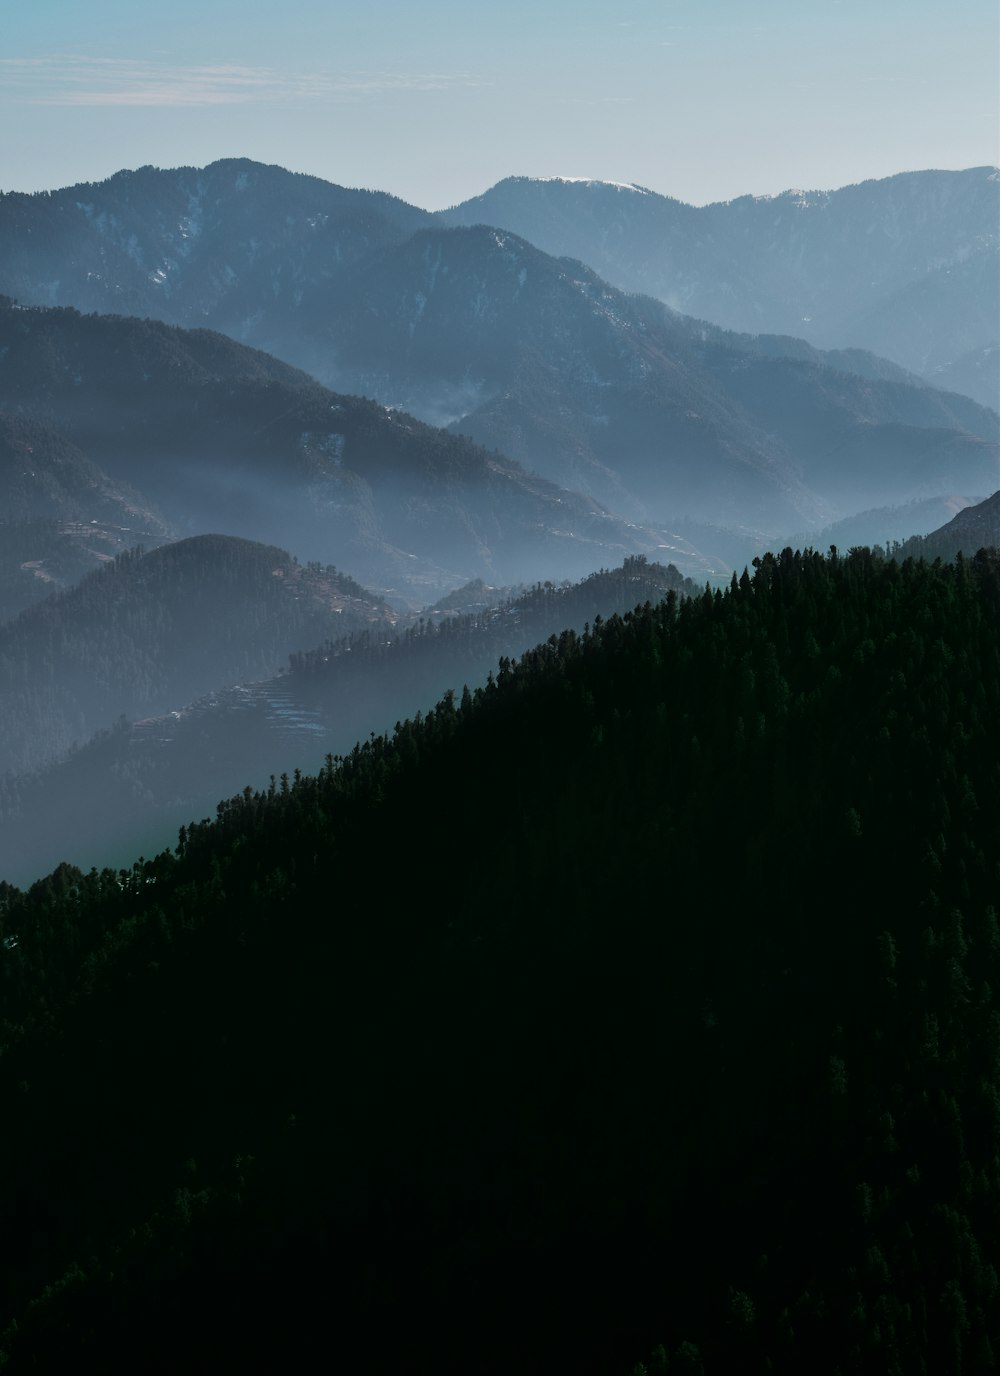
(195, 246)
(656, 415)
(129, 788)
(60, 514)
(147, 633)
(643, 1001)
(591, 976)
(225, 438)
(905, 266)
(653, 413)
(972, 528)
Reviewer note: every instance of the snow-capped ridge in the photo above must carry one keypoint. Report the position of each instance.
(592, 181)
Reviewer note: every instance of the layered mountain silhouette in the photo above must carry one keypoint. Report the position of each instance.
(885, 525)
(60, 514)
(654, 414)
(225, 438)
(905, 266)
(209, 246)
(650, 411)
(636, 998)
(136, 635)
(971, 529)
(149, 632)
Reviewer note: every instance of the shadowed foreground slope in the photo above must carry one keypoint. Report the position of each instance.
(649, 995)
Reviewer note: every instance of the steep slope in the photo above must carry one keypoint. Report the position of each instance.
(216, 246)
(647, 997)
(945, 325)
(905, 266)
(60, 515)
(227, 438)
(968, 531)
(653, 413)
(129, 789)
(885, 525)
(974, 373)
(149, 632)
(640, 408)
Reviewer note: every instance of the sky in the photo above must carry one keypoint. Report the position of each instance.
(435, 101)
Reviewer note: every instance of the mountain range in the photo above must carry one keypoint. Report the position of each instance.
(655, 415)
(220, 437)
(905, 266)
(148, 632)
(648, 432)
(136, 639)
(588, 976)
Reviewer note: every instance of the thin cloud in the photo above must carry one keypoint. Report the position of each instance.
(596, 100)
(77, 80)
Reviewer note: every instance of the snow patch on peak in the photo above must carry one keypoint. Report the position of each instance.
(804, 200)
(595, 181)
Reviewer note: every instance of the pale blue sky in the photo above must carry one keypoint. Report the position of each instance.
(435, 101)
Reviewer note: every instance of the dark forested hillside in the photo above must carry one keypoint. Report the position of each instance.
(641, 1002)
(128, 789)
(148, 633)
(968, 530)
(888, 525)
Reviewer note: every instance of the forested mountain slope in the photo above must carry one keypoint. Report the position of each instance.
(60, 515)
(149, 632)
(212, 246)
(967, 531)
(128, 790)
(656, 415)
(653, 413)
(905, 265)
(225, 438)
(647, 997)
(889, 526)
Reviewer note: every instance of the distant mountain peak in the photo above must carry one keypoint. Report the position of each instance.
(798, 196)
(589, 181)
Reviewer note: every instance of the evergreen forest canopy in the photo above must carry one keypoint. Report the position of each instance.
(631, 1009)
(641, 1002)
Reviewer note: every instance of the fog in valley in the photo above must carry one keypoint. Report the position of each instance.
(586, 427)
(292, 476)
